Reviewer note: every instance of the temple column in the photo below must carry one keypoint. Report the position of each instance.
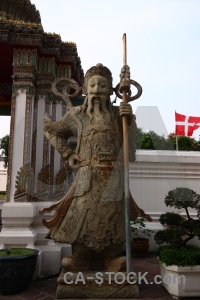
(18, 217)
(36, 176)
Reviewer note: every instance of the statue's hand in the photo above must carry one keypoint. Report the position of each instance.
(73, 161)
(125, 109)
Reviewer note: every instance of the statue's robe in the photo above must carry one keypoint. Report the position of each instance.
(92, 212)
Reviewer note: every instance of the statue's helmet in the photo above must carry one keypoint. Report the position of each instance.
(99, 69)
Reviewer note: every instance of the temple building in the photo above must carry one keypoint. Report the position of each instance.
(30, 60)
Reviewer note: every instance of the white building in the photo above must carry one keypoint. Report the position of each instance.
(3, 176)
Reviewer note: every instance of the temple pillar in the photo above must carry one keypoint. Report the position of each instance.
(36, 176)
(30, 59)
(18, 217)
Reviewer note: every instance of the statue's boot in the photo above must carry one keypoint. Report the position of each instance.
(76, 264)
(115, 264)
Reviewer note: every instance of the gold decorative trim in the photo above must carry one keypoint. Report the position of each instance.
(23, 184)
(43, 187)
(27, 130)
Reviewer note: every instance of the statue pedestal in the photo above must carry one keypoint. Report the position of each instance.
(96, 285)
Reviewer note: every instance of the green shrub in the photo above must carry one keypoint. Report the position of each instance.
(15, 252)
(188, 255)
(178, 230)
(139, 228)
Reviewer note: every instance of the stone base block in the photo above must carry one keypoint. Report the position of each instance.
(96, 285)
(50, 260)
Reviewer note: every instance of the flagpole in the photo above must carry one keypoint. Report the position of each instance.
(176, 142)
(176, 135)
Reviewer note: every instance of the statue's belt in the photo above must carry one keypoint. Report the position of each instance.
(101, 163)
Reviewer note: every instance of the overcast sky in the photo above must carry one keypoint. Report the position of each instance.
(163, 48)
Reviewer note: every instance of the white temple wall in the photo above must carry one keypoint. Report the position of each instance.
(18, 142)
(155, 173)
(3, 176)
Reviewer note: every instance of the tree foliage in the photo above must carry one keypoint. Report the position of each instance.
(185, 143)
(153, 141)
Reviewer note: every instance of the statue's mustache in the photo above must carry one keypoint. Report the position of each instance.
(96, 97)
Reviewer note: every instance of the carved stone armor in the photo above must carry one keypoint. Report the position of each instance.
(96, 215)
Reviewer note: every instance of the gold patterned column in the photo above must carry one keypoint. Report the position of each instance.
(21, 174)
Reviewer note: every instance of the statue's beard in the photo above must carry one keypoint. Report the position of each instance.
(99, 108)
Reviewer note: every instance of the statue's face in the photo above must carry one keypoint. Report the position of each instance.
(98, 90)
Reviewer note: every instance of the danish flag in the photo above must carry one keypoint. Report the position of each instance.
(185, 125)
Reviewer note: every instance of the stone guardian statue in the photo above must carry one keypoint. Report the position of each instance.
(91, 215)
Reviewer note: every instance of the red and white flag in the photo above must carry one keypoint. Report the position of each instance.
(185, 125)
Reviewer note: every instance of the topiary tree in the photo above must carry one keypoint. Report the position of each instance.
(178, 229)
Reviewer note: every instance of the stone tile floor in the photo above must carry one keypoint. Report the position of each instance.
(45, 289)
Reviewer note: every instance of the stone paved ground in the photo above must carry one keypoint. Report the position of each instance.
(45, 289)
